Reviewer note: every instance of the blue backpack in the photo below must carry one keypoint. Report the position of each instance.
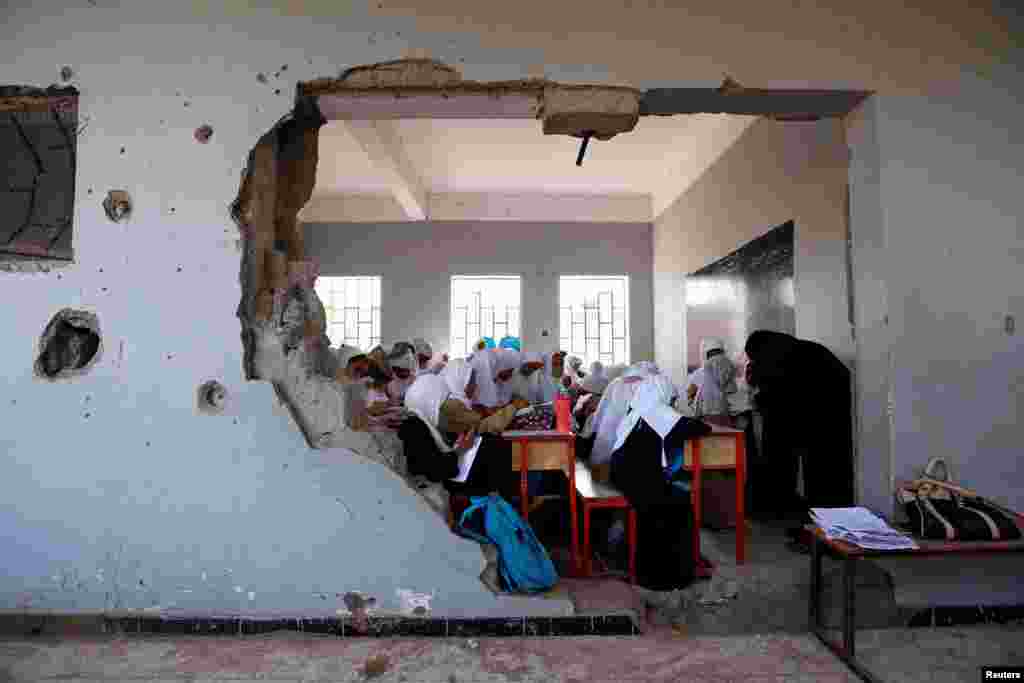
(523, 563)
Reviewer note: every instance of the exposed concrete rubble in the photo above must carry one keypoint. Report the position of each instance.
(598, 111)
(69, 346)
(401, 73)
(579, 110)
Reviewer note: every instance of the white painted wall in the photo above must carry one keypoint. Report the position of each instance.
(950, 168)
(114, 478)
(774, 173)
(871, 312)
(417, 260)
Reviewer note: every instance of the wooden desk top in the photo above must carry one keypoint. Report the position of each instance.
(925, 547)
(539, 435)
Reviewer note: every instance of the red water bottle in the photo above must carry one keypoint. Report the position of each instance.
(563, 411)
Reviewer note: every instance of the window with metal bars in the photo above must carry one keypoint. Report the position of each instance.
(483, 307)
(594, 318)
(352, 305)
(39, 130)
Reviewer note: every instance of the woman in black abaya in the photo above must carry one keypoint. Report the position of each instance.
(805, 400)
(646, 466)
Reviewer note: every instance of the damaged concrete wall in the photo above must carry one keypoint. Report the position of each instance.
(118, 492)
(417, 262)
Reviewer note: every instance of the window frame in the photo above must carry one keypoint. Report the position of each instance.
(328, 304)
(451, 308)
(627, 315)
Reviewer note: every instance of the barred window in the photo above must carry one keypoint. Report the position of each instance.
(483, 307)
(594, 317)
(352, 305)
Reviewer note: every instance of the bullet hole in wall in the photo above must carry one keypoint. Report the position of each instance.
(179, 269)
(69, 346)
(118, 205)
(261, 77)
(122, 150)
(203, 133)
(277, 91)
(211, 397)
(284, 67)
(66, 73)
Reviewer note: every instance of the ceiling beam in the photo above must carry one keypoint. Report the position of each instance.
(380, 142)
(483, 206)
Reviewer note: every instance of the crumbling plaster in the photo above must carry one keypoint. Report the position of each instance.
(117, 494)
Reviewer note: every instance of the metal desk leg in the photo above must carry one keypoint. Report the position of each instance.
(524, 468)
(849, 603)
(741, 498)
(815, 598)
(695, 498)
(574, 531)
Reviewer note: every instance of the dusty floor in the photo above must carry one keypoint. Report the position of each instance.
(597, 660)
(759, 635)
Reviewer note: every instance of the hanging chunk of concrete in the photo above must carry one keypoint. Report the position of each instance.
(584, 111)
(69, 346)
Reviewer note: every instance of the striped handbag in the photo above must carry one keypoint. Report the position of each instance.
(940, 510)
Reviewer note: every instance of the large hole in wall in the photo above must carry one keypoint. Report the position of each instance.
(283, 325)
(69, 346)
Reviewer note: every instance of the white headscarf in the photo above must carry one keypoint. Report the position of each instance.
(483, 364)
(718, 383)
(647, 366)
(710, 344)
(652, 404)
(424, 399)
(345, 354)
(609, 414)
(505, 359)
(457, 375)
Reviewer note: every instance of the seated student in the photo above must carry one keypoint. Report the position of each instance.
(353, 372)
(583, 413)
(424, 355)
(715, 382)
(442, 403)
(528, 383)
(506, 363)
(575, 364)
(646, 466)
(402, 362)
(612, 409)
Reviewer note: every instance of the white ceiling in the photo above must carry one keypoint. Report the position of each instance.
(657, 161)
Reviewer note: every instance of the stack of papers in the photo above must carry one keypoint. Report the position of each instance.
(860, 527)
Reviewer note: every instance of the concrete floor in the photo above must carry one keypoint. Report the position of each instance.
(759, 635)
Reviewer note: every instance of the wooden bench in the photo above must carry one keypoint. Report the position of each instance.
(977, 592)
(594, 494)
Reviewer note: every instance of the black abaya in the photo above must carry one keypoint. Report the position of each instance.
(665, 558)
(805, 399)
